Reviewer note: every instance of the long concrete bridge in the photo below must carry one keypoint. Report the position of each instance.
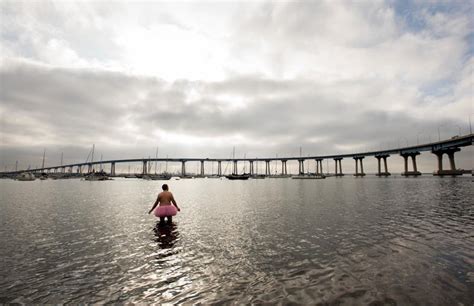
(448, 147)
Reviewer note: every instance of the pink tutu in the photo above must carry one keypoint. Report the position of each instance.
(166, 211)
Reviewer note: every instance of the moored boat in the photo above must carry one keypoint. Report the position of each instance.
(308, 177)
(97, 176)
(26, 176)
(238, 176)
(157, 177)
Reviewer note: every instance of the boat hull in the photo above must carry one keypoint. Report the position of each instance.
(308, 177)
(238, 177)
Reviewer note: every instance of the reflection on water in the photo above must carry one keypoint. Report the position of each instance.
(166, 234)
(344, 241)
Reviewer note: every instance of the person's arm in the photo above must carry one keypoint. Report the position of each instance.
(174, 202)
(156, 203)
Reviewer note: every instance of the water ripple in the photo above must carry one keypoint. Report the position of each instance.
(394, 241)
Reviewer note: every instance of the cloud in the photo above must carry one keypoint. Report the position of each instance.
(331, 76)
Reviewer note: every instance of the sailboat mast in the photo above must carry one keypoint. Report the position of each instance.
(93, 148)
(92, 157)
(44, 155)
(156, 157)
(62, 154)
(276, 164)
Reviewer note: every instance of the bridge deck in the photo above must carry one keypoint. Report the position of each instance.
(454, 142)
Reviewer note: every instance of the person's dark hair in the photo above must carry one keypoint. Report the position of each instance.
(164, 187)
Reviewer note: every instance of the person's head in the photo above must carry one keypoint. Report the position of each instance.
(164, 187)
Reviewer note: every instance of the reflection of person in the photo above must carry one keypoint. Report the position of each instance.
(166, 236)
(167, 205)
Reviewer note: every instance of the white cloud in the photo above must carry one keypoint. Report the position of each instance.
(209, 75)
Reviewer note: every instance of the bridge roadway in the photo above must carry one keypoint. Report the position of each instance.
(449, 147)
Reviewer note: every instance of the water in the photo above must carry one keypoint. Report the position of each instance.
(338, 241)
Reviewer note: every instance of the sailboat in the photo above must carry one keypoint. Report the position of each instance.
(26, 176)
(244, 176)
(235, 176)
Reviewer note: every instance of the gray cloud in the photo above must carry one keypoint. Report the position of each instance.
(328, 76)
(79, 106)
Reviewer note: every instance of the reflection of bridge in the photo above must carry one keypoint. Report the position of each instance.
(439, 148)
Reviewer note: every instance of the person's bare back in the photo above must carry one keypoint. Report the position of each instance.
(166, 198)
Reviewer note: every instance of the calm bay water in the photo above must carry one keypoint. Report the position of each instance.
(343, 241)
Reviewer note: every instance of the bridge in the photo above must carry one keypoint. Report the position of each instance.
(448, 147)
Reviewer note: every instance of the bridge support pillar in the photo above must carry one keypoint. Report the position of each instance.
(301, 166)
(251, 167)
(451, 160)
(379, 164)
(413, 159)
(319, 166)
(284, 170)
(183, 168)
(219, 168)
(202, 168)
(145, 169)
(413, 155)
(267, 168)
(235, 169)
(440, 161)
(89, 168)
(358, 159)
(112, 169)
(450, 152)
(338, 162)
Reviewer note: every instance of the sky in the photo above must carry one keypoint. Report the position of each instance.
(197, 78)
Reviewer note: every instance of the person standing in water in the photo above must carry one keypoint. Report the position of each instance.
(167, 205)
